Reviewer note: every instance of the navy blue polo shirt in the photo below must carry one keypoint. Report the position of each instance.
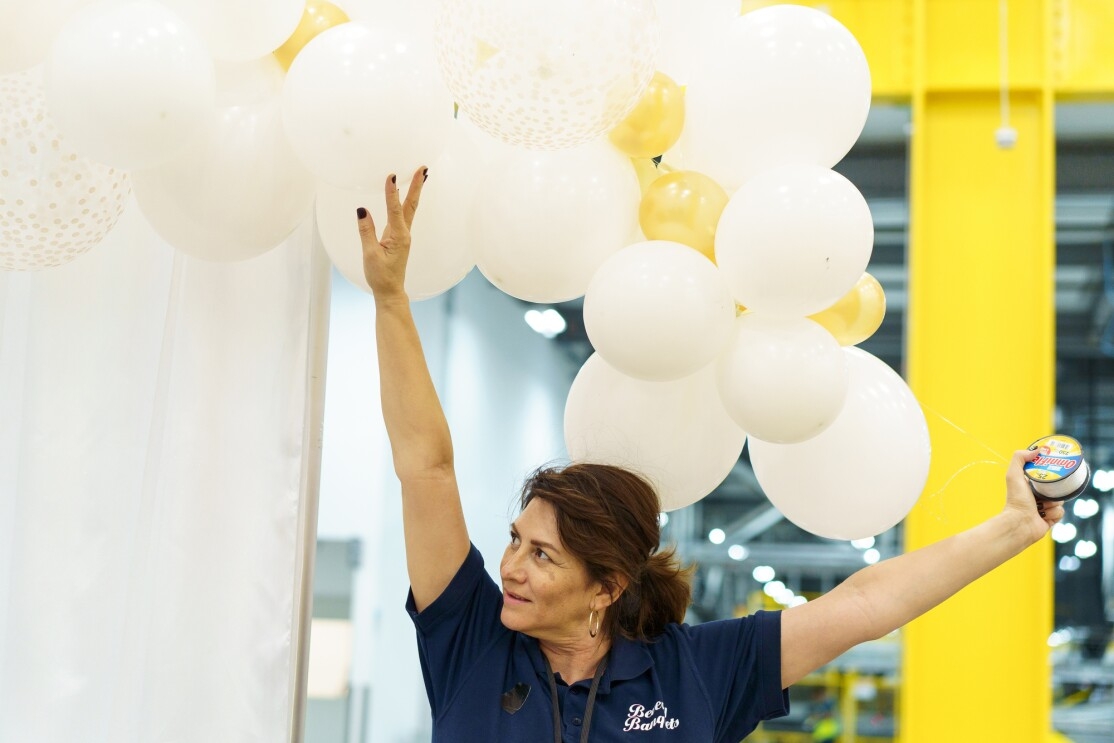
(710, 682)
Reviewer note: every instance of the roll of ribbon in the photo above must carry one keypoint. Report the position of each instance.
(1059, 473)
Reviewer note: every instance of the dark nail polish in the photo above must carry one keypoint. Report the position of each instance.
(425, 175)
(394, 180)
(361, 213)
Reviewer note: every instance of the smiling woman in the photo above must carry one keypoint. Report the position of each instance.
(585, 638)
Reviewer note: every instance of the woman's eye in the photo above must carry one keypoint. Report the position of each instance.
(541, 554)
(514, 539)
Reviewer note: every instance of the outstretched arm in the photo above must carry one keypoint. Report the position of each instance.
(877, 600)
(433, 520)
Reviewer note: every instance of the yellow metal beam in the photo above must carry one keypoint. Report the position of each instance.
(1080, 30)
(980, 335)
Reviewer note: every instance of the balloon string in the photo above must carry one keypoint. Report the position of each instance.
(983, 444)
(1000, 459)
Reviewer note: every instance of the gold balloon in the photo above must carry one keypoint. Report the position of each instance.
(683, 206)
(319, 16)
(655, 123)
(856, 315)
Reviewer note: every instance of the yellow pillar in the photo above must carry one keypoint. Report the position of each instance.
(980, 333)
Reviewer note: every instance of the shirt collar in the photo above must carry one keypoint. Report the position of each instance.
(629, 660)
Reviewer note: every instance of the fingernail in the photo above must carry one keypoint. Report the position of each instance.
(394, 180)
(425, 175)
(361, 213)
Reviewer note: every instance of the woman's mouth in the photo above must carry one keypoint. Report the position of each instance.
(513, 598)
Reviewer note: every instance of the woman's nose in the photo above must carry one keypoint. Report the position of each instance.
(511, 567)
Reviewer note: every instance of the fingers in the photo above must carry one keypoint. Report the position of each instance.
(396, 222)
(366, 226)
(414, 194)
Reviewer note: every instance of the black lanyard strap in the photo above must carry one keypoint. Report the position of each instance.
(557, 700)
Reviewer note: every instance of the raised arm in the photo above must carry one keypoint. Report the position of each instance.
(433, 520)
(877, 600)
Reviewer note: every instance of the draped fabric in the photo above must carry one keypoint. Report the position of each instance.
(156, 442)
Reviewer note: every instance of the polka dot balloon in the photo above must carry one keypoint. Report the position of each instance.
(54, 204)
(546, 75)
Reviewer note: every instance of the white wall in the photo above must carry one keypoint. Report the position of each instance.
(503, 388)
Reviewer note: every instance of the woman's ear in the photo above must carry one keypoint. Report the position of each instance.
(608, 593)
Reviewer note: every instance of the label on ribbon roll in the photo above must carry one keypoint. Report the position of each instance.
(1059, 472)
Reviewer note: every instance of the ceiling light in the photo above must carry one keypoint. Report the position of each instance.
(1085, 548)
(716, 536)
(763, 573)
(1069, 563)
(1085, 508)
(737, 552)
(548, 323)
(1063, 533)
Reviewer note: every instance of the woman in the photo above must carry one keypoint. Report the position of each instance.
(585, 636)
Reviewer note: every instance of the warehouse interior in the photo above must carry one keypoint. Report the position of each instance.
(749, 556)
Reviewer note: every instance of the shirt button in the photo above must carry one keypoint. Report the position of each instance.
(577, 721)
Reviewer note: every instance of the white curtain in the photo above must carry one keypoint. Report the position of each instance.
(157, 440)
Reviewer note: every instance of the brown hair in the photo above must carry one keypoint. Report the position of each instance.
(608, 517)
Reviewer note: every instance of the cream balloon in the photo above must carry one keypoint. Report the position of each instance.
(685, 27)
(241, 191)
(546, 75)
(794, 239)
(361, 102)
(54, 204)
(658, 310)
(241, 30)
(27, 28)
(675, 433)
(441, 251)
(779, 85)
(129, 83)
(545, 221)
(783, 379)
(864, 473)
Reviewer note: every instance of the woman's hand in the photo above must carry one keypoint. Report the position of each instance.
(385, 257)
(1034, 516)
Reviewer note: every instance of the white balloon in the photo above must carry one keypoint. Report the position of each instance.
(685, 27)
(241, 30)
(54, 204)
(793, 240)
(240, 191)
(129, 83)
(676, 433)
(546, 75)
(783, 379)
(362, 102)
(779, 85)
(27, 29)
(441, 251)
(658, 310)
(865, 472)
(545, 221)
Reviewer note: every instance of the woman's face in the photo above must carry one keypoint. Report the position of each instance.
(546, 591)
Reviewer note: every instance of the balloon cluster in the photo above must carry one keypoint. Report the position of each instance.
(668, 161)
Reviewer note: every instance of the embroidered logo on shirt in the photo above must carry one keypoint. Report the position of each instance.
(640, 717)
(515, 698)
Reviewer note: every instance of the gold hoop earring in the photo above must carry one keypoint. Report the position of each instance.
(593, 623)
